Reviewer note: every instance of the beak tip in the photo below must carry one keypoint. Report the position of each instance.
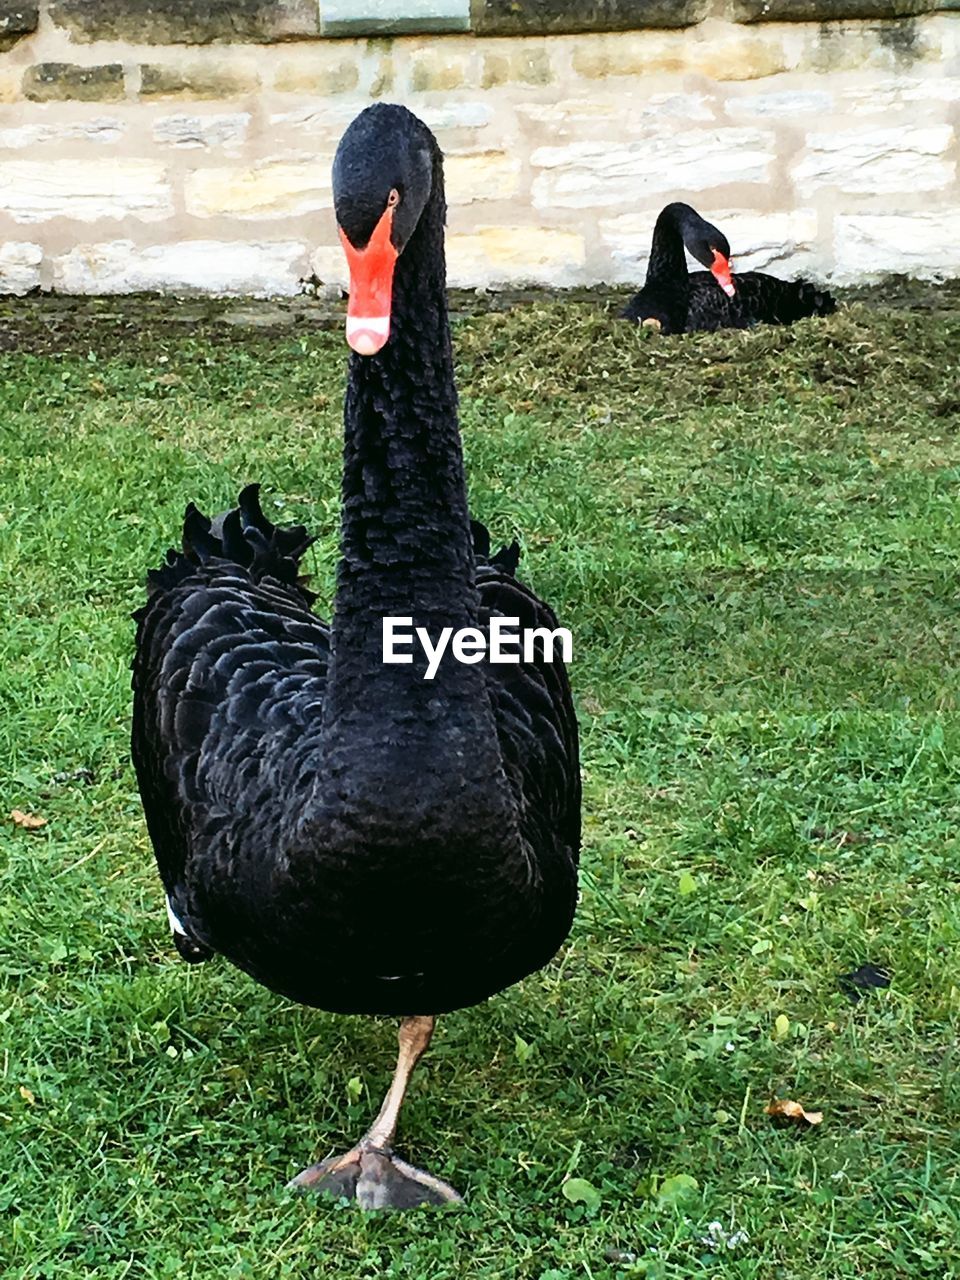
(367, 334)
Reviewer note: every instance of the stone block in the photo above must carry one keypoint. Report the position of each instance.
(734, 53)
(443, 116)
(19, 267)
(836, 47)
(598, 174)
(102, 129)
(904, 93)
(484, 175)
(553, 17)
(524, 65)
(393, 17)
(922, 244)
(187, 132)
(187, 21)
(196, 81)
(317, 80)
(84, 190)
(437, 70)
(877, 161)
(258, 268)
(579, 118)
(16, 21)
(275, 189)
(784, 104)
(63, 81)
(827, 10)
(514, 255)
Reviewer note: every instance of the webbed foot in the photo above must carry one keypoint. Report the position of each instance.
(376, 1179)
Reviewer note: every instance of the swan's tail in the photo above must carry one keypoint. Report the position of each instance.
(243, 536)
(811, 301)
(506, 559)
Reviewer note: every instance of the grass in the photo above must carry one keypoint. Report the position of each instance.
(754, 538)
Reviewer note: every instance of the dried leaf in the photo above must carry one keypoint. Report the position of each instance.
(27, 1095)
(784, 1109)
(29, 821)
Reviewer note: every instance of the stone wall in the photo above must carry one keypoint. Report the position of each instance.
(186, 144)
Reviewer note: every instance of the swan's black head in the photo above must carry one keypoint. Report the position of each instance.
(707, 243)
(382, 181)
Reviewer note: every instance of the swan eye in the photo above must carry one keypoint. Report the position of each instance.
(393, 198)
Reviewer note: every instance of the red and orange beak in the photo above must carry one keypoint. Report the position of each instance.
(371, 288)
(721, 272)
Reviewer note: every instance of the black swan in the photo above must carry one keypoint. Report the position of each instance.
(675, 301)
(351, 834)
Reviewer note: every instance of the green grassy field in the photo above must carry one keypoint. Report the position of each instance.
(755, 541)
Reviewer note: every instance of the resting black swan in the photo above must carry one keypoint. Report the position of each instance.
(675, 301)
(350, 834)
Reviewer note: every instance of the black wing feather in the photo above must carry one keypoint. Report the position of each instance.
(760, 299)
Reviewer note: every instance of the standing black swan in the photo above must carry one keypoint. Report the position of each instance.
(354, 836)
(676, 301)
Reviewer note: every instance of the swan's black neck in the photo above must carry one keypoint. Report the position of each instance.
(405, 541)
(667, 274)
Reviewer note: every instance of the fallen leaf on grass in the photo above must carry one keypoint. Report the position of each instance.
(784, 1109)
(27, 1095)
(580, 1191)
(29, 821)
(677, 1188)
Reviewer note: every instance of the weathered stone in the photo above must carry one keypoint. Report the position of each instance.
(441, 117)
(729, 54)
(599, 174)
(102, 129)
(60, 81)
(277, 189)
(899, 94)
(786, 104)
(484, 175)
(187, 21)
(201, 131)
(84, 190)
(19, 267)
(436, 70)
(515, 255)
(393, 17)
(258, 268)
(836, 47)
(924, 244)
(382, 82)
(827, 10)
(524, 65)
(582, 117)
(195, 82)
(319, 81)
(877, 161)
(16, 21)
(541, 17)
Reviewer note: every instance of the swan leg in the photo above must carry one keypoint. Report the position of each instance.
(369, 1172)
